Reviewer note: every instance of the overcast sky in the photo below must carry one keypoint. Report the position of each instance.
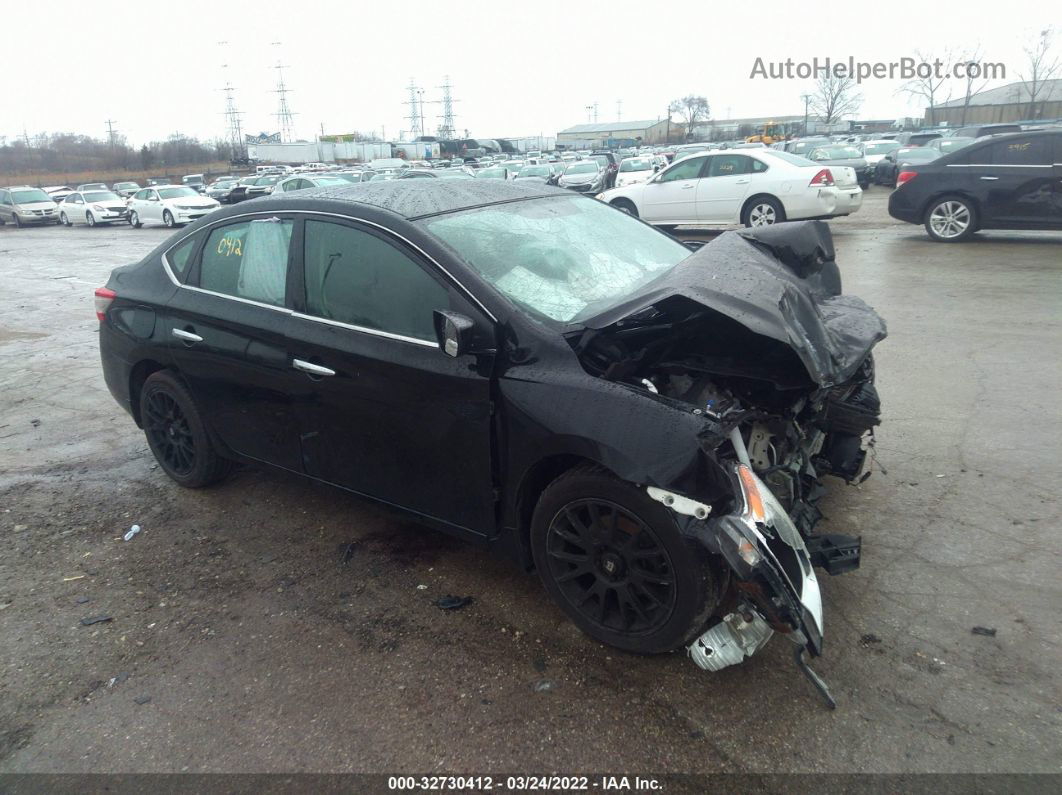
(517, 68)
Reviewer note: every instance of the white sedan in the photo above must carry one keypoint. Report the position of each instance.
(172, 205)
(754, 187)
(633, 170)
(303, 181)
(91, 207)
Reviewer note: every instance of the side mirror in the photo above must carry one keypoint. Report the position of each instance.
(453, 331)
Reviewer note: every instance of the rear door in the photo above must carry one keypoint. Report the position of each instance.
(672, 196)
(383, 411)
(1021, 181)
(225, 330)
(724, 187)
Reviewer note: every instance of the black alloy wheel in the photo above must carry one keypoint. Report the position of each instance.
(615, 560)
(176, 433)
(169, 433)
(611, 567)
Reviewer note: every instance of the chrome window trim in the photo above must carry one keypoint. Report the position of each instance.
(381, 227)
(375, 332)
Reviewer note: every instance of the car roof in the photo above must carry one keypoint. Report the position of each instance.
(418, 198)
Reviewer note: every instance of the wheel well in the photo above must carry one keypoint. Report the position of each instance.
(140, 374)
(622, 200)
(538, 477)
(756, 196)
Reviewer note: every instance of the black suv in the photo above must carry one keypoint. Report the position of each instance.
(1009, 181)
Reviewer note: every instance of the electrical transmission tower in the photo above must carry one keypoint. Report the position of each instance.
(447, 130)
(619, 110)
(284, 114)
(416, 109)
(232, 116)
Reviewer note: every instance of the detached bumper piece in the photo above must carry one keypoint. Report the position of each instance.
(730, 641)
(834, 552)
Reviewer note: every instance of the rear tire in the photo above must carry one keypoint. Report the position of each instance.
(615, 561)
(762, 211)
(176, 433)
(950, 219)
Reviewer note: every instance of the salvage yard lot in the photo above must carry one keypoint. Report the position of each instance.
(270, 624)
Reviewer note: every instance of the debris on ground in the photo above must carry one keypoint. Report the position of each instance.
(422, 587)
(988, 632)
(869, 638)
(82, 600)
(35, 423)
(131, 532)
(142, 700)
(348, 551)
(539, 663)
(449, 602)
(544, 686)
(88, 622)
(117, 680)
(75, 577)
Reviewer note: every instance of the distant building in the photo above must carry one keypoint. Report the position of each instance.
(1008, 103)
(618, 133)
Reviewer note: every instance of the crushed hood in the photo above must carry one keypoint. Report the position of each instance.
(780, 282)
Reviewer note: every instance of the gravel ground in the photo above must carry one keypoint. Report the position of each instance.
(271, 624)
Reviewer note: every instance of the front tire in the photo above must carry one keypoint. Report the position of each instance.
(167, 218)
(626, 205)
(950, 219)
(134, 220)
(176, 433)
(615, 561)
(763, 211)
(64, 220)
(90, 219)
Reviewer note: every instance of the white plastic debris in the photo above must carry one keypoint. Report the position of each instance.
(132, 532)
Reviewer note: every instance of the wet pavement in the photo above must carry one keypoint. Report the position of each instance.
(271, 624)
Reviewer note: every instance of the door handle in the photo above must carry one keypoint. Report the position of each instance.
(741, 182)
(311, 368)
(687, 186)
(990, 178)
(187, 336)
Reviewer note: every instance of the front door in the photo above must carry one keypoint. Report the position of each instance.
(672, 196)
(225, 329)
(383, 411)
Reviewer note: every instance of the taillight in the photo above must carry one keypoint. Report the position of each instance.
(905, 176)
(104, 296)
(823, 179)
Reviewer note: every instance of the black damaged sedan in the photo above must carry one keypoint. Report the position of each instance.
(649, 427)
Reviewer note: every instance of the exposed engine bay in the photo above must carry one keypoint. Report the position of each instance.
(753, 333)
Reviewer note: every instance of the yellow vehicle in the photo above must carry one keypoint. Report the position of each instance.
(768, 134)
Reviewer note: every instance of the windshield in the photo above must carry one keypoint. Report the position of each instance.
(30, 196)
(224, 184)
(101, 196)
(124, 185)
(268, 180)
(491, 173)
(177, 193)
(585, 167)
(321, 181)
(880, 149)
(635, 165)
(349, 177)
(564, 258)
(535, 171)
(93, 186)
(836, 153)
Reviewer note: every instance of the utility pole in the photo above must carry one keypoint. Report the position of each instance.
(110, 132)
(595, 113)
(588, 109)
(284, 114)
(807, 100)
(667, 137)
(619, 110)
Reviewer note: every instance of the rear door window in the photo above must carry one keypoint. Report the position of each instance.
(729, 165)
(248, 260)
(1020, 152)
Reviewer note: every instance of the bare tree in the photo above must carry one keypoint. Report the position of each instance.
(1041, 67)
(971, 85)
(929, 87)
(691, 109)
(834, 97)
